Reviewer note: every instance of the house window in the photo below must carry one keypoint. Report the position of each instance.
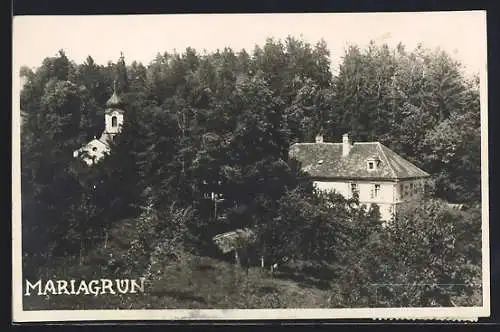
(401, 190)
(375, 191)
(354, 189)
(94, 149)
(113, 121)
(372, 163)
(411, 189)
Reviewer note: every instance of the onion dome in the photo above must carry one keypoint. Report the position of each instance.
(114, 101)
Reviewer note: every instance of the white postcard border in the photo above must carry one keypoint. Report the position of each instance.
(436, 313)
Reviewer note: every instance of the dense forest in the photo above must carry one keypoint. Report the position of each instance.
(222, 122)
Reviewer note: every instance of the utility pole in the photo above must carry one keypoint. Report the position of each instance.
(216, 200)
(215, 205)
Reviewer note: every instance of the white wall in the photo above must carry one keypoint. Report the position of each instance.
(340, 187)
(109, 123)
(386, 193)
(95, 150)
(389, 194)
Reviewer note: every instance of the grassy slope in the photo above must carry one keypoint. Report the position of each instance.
(198, 282)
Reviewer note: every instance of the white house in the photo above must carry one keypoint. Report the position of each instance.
(377, 174)
(97, 148)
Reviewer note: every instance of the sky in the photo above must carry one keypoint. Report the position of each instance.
(141, 37)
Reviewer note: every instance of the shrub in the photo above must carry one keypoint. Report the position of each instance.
(433, 255)
(159, 237)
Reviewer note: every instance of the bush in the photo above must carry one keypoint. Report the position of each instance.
(160, 236)
(431, 255)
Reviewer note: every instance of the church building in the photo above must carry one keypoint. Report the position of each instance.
(97, 148)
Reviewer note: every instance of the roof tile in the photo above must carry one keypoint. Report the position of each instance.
(325, 160)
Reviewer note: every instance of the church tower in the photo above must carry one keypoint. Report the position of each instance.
(96, 149)
(113, 115)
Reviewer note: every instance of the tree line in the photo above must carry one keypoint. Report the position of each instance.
(222, 123)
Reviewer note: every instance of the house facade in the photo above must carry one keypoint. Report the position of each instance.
(370, 170)
(97, 148)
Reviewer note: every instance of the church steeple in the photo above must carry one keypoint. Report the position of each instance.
(114, 101)
(113, 122)
(114, 114)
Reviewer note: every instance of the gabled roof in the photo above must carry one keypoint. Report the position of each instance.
(325, 160)
(93, 142)
(106, 138)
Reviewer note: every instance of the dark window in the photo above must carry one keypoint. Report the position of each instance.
(113, 121)
(370, 165)
(375, 191)
(94, 149)
(354, 189)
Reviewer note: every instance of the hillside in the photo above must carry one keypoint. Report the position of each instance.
(197, 283)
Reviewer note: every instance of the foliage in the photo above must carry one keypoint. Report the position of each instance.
(159, 238)
(211, 133)
(428, 256)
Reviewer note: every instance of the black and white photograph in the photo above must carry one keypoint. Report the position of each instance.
(250, 166)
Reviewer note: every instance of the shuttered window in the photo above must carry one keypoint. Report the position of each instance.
(375, 191)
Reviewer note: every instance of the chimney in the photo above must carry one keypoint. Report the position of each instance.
(346, 145)
(319, 138)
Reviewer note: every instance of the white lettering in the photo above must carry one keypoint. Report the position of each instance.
(83, 288)
(122, 285)
(62, 287)
(50, 288)
(78, 287)
(94, 288)
(72, 283)
(30, 285)
(134, 285)
(107, 284)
